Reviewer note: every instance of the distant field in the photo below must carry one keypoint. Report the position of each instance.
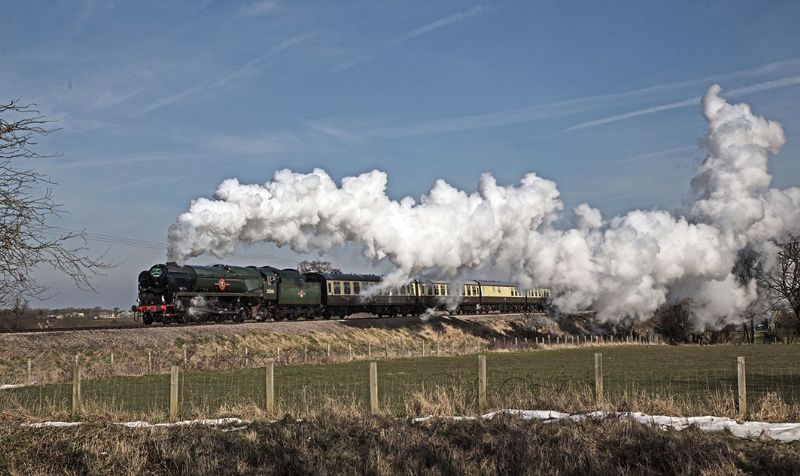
(533, 378)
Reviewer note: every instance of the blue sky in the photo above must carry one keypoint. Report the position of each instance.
(159, 101)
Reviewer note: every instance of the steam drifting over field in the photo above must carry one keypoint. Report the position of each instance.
(624, 266)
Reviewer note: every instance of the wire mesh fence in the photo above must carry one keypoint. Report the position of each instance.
(98, 363)
(566, 380)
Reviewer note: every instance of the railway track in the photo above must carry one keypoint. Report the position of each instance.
(267, 324)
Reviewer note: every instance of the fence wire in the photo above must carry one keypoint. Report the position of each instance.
(562, 379)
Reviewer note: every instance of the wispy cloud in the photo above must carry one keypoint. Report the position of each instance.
(577, 106)
(243, 73)
(264, 7)
(653, 155)
(640, 112)
(397, 41)
(124, 160)
(144, 182)
(336, 132)
(694, 101)
(265, 144)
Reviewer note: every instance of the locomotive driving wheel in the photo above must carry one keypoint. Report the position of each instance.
(240, 315)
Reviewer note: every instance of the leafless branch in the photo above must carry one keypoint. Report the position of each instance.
(27, 241)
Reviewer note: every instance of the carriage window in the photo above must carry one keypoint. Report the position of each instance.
(356, 288)
(436, 289)
(337, 288)
(430, 290)
(347, 288)
(445, 289)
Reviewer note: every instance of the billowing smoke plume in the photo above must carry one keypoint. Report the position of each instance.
(626, 266)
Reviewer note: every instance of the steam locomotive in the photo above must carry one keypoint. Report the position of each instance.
(173, 293)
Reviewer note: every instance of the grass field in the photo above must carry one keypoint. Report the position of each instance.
(636, 377)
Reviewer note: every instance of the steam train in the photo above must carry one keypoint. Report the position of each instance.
(173, 293)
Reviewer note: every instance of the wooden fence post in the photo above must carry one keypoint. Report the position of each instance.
(369, 350)
(350, 348)
(185, 358)
(329, 351)
(173, 393)
(386, 350)
(246, 357)
(740, 373)
(112, 359)
(423, 348)
(598, 377)
(481, 382)
(76, 389)
(30, 373)
(438, 354)
(270, 389)
(373, 387)
(150, 361)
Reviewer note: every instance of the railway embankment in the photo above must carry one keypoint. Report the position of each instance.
(145, 350)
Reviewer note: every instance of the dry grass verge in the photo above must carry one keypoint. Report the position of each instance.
(225, 346)
(335, 443)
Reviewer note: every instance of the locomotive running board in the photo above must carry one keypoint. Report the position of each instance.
(188, 294)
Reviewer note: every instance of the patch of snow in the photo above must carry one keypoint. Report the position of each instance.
(775, 431)
(52, 424)
(8, 386)
(214, 422)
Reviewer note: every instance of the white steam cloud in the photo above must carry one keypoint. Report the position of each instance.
(626, 266)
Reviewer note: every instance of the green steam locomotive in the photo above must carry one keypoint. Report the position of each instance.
(186, 293)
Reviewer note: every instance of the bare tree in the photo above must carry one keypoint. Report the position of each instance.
(317, 267)
(782, 282)
(27, 240)
(674, 322)
(746, 269)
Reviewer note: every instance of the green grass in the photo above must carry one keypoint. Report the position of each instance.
(687, 371)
